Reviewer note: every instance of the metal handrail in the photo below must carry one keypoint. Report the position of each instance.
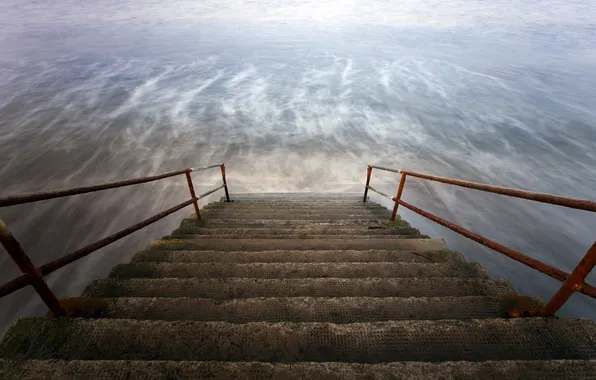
(574, 282)
(34, 276)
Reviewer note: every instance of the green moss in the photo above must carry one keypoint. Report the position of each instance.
(150, 256)
(139, 270)
(105, 288)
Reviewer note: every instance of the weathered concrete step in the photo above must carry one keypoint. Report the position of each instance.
(293, 197)
(191, 370)
(318, 230)
(218, 243)
(287, 223)
(433, 341)
(304, 206)
(301, 309)
(328, 256)
(294, 216)
(298, 270)
(310, 287)
(176, 236)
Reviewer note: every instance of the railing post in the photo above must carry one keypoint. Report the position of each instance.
(24, 263)
(400, 189)
(223, 176)
(368, 174)
(574, 282)
(192, 194)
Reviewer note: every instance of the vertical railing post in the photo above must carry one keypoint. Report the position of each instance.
(400, 189)
(24, 263)
(223, 177)
(195, 202)
(368, 174)
(573, 283)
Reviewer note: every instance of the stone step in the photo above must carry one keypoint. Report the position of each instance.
(328, 256)
(191, 370)
(177, 236)
(229, 288)
(311, 231)
(298, 206)
(218, 243)
(298, 270)
(264, 215)
(301, 309)
(292, 223)
(297, 197)
(377, 342)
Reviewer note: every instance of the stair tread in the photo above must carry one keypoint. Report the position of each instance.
(303, 309)
(219, 243)
(298, 270)
(314, 287)
(328, 256)
(319, 230)
(190, 370)
(472, 340)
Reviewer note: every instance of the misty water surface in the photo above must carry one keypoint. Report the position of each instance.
(297, 96)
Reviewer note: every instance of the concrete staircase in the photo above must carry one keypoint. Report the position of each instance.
(298, 286)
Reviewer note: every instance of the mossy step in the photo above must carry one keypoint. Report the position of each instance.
(191, 370)
(376, 342)
(302, 235)
(301, 309)
(293, 206)
(298, 270)
(292, 216)
(229, 288)
(326, 256)
(293, 223)
(219, 243)
(303, 230)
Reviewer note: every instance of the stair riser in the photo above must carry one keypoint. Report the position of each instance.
(292, 236)
(312, 287)
(295, 256)
(297, 270)
(289, 223)
(299, 244)
(432, 341)
(251, 232)
(304, 309)
(487, 370)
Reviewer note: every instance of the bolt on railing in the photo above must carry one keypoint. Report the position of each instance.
(574, 282)
(34, 276)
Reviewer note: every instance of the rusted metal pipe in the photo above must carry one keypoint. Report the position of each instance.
(32, 274)
(551, 271)
(225, 184)
(193, 196)
(52, 266)
(574, 282)
(400, 189)
(199, 168)
(368, 174)
(28, 198)
(398, 171)
(581, 204)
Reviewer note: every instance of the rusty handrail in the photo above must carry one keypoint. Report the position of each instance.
(34, 276)
(574, 282)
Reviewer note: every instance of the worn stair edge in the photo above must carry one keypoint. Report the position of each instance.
(298, 270)
(300, 309)
(318, 230)
(293, 223)
(218, 243)
(311, 287)
(294, 206)
(188, 370)
(433, 341)
(292, 236)
(324, 256)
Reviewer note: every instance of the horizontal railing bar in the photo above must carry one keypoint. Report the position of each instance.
(581, 204)
(380, 192)
(551, 271)
(205, 167)
(23, 280)
(28, 198)
(210, 191)
(398, 171)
